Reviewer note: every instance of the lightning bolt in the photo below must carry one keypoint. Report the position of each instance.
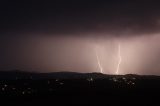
(120, 59)
(98, 62)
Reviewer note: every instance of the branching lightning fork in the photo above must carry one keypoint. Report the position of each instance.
(98, 62)
(120, 59)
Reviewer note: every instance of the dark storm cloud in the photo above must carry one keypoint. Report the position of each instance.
(73, 17)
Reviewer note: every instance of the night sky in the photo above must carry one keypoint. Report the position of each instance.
(64, 35)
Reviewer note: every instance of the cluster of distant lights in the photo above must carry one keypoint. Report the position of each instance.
(5, 87)
(128, 81)
(26, 91)
(124, 80)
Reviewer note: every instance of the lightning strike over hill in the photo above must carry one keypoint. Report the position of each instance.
(120, 59)
(98, 62)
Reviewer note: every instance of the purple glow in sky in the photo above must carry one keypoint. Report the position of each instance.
(140, 55)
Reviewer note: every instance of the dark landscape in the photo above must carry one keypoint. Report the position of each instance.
(25, 88)
(80, 52)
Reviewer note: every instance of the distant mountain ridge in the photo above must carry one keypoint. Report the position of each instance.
(17, 74)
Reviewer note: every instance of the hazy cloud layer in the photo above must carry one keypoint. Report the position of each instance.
(48, 54)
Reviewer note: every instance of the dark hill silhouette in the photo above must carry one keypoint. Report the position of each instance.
(14, 74)
(77, 88)
(63, 75)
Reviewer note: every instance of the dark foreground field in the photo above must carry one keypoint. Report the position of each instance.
(26, 89)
